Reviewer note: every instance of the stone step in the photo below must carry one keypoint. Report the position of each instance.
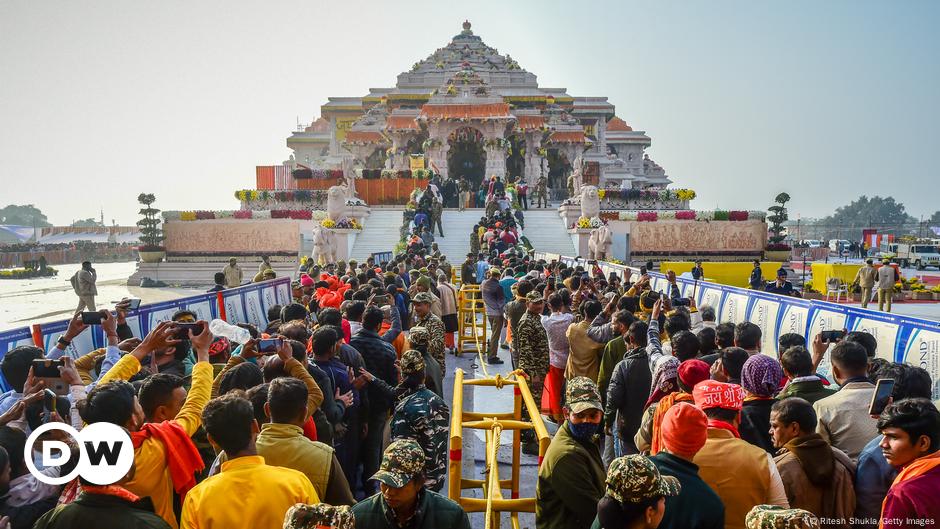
(545, 230)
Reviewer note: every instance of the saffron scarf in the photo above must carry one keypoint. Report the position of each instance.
(915, 468)
(182, 458)
(656, 443)
(111, 490)
(715, 423)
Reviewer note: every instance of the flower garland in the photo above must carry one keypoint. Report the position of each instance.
(716, 215)
(241, 214)
(648, 194)
(299, 195)
(587, 223)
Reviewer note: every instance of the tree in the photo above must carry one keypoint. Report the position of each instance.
(934, 219)
(28, 215)
(777, 216)
(150, 233)
(87, 223)
(884, 214)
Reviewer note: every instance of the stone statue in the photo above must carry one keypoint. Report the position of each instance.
(336, 202)
(349, 176)
(590, 202)
(600, 242)
(324, 245)
(576, 179)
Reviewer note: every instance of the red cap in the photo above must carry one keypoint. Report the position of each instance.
(684, 429)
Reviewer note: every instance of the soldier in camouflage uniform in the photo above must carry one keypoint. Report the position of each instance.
(532, 346)
(541, 192)
(418, 337)
(421, 303)
(437, 212)
(404, 501)
(775, 517)
(632, 480)
(421, 415)
(319, 516)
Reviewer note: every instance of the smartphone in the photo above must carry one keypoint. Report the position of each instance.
(130, 303)
(832, 336)
(269, 345)
(49, 400)
(883, 390)
(91, 318)
(182, 330)
(48, 371)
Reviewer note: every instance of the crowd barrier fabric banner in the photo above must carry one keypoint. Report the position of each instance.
(900, 338)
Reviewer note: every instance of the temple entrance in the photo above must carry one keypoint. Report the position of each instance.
(558, 170)
(466, 158)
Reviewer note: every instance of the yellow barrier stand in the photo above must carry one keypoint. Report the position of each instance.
(469, 307)
(493, 501)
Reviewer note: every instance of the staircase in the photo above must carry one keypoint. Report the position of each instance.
(544, 228)
(379, 233)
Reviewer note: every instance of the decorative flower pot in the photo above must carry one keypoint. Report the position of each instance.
(152, 257)
(922, 295)
(777, 255)
(812, 295)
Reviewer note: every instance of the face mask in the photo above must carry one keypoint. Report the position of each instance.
(583, 430)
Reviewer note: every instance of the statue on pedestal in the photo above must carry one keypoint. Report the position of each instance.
(590, 202)
(599, 243)
(349, 176)
(576, 179)
(336, 202)
(324, 245)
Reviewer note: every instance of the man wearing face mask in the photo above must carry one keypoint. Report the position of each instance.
(572, 475)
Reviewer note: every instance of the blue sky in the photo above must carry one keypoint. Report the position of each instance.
(825, 100)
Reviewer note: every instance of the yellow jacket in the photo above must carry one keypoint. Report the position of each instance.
(152, 477)
(246, 493)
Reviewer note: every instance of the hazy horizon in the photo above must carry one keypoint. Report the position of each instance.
(826, 101)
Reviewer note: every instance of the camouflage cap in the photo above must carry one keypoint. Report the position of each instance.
(635, 478)
(419, 335)
(423, 270)
(411, 362)
(582, 394)
(774, 517)
(402, 461)
(534, 297)
(319, 515)
(422, 297)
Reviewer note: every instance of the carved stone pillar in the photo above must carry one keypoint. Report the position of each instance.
(496, 161)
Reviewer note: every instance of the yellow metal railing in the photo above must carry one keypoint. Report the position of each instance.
(493, 503)
(471, 322)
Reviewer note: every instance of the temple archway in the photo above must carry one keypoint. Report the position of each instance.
(466, 157)
(558, 170)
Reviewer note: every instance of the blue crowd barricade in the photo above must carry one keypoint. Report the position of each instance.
(244, 304)
(900, 338)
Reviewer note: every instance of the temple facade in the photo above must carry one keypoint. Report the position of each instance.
(466, 111)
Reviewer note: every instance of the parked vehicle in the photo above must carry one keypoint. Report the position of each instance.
(918, 255)
(838, 246)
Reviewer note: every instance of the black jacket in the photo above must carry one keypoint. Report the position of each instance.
(627, 394)
(379, 357)
(755, 424)
(101, 511)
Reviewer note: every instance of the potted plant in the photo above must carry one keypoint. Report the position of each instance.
(936, 292)
(776, 249)
(151, 235)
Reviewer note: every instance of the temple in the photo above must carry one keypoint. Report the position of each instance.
(466, 111)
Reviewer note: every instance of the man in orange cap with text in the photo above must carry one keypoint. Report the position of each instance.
(742, 474)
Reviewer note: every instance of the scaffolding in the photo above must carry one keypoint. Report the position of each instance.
(493, 503)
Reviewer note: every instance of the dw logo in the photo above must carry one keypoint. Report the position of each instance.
(105, 450)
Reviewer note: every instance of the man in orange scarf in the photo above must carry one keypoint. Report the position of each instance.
(911, 430)
(165, 457)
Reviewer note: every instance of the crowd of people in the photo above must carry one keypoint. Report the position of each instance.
(333, 414)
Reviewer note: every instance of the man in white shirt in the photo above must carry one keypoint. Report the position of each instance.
(844, 421)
